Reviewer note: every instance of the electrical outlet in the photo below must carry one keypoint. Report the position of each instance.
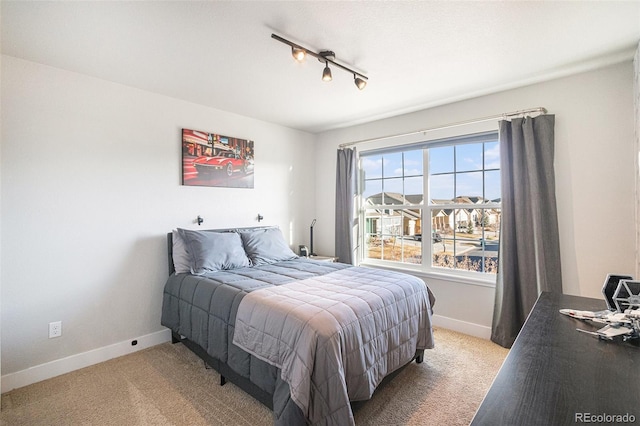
(55, 329)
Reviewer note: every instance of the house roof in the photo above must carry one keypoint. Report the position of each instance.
(395, 199)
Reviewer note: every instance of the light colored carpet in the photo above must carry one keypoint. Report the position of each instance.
(168, 385)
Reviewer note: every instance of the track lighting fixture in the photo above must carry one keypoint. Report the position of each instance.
(299, 53)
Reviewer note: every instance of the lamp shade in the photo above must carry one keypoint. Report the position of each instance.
(326, 74)
(298, 54)
(360, 83)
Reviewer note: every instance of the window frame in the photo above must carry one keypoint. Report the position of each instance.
(424, 268)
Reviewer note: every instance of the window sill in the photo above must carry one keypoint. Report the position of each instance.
(462, 279)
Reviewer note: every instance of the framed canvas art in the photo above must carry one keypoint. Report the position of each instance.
(210, 159)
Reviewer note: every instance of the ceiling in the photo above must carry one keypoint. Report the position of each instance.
(417, 54)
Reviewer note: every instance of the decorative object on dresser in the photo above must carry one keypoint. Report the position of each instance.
(622, 318)
(219, 280)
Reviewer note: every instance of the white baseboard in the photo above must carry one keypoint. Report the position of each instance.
(78, 361)
(477, 330)
(75, 362)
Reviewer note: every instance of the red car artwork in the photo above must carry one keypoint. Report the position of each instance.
(227, 162)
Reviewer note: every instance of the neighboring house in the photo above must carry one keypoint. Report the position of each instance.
(458, 219)
(408, 221)
(391, 221)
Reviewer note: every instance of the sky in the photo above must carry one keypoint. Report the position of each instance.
(454, 171)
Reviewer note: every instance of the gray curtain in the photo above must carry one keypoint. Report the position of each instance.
(345, 203)
(529, 241)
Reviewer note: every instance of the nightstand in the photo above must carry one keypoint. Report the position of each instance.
(324, 258)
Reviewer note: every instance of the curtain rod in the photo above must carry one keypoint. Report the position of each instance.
(505, 115)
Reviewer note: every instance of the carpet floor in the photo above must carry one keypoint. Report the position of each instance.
(169, 385)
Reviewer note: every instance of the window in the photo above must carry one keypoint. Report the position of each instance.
(433, 206)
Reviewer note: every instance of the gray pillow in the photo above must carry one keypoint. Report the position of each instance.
(213, 251)
(264, 246)
(181, 260)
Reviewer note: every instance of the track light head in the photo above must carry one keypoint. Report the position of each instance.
(360, 83)
(298, 54)
(326, 74)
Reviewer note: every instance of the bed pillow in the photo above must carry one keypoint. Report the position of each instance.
(264, 246)
(181, 260)
(213, 251)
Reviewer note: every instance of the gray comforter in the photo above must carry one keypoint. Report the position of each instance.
(336, 336)
(203, 309)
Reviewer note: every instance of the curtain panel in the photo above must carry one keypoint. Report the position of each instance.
(346, 188)
(529, 240)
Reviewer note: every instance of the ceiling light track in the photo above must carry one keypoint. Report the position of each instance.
(327, 57)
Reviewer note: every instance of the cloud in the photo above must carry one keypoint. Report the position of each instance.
(492, 157)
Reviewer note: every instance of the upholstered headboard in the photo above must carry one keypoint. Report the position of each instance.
(170, 241)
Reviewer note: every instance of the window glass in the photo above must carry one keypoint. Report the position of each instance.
(492, 185)
(371, 188)
(491, 155)
(393, 190)
(469, 185)
(463, 205)
(469, 157)
(441, 160)
(413, 190)
(412, 163)
(442, 188)
(464, 232)
(473, 245)
(392, 165)
(372, 167)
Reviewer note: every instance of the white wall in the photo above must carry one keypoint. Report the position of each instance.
(90, 187)
(595, 180)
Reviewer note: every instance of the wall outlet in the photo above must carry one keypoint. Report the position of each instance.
(55, 329)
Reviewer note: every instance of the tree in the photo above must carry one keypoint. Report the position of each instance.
(485, 219)
(470, 227)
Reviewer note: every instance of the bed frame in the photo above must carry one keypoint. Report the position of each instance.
(222, 368)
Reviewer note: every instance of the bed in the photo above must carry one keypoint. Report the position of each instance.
(303, 337)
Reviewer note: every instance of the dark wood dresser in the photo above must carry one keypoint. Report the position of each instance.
(555, 375)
